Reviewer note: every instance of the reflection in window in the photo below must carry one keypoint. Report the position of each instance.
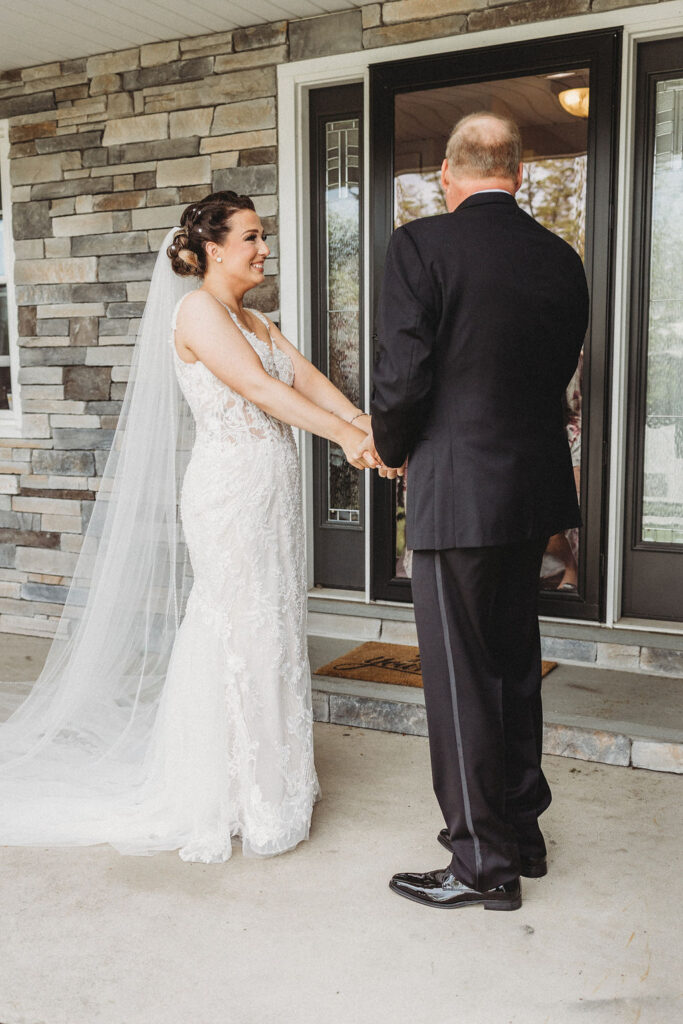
(5, 383)
(342, 218)
(553, 192)
(662, 511)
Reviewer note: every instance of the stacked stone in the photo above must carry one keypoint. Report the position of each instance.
(105, 153)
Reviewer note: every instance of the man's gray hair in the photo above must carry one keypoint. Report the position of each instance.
(484, 145)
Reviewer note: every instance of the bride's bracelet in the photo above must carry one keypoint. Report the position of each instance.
(354, 418)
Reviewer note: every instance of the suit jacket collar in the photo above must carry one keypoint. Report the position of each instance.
(482, 198)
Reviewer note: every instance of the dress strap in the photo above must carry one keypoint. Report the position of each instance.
(174, 318)
(264, 320)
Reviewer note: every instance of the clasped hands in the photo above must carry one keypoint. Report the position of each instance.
(362, 454)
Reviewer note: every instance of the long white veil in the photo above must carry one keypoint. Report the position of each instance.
(80, 739)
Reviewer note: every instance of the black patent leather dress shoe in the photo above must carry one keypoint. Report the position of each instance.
(442, 889)
(529, 867)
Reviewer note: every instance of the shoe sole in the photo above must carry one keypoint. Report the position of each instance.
(537, 872)
(513, 904)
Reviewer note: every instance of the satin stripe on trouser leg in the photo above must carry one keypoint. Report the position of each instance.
(480, 656)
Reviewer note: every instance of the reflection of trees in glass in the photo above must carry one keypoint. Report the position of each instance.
(343, 295)
(553, 191)
(417, 195)
(344, 481)
(343, 254)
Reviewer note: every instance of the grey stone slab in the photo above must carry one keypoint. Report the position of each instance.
(332, 33)
(103, 408)
(259, 37)
(62, 143)
(250, 181)
(125, 309)
(86, 513)
(63, 356)
(44, 592)
(31, 220)
(653, 659)
(110, 292)
(72, 187)
(100, 462)
(165, 149)
(568, 650)
(524, 13)
(18, 520)
(127, 267)
(387, 716)
(52, 328)
(8, 555)
(168, 74)
(110, 244)
(95, 157)
(29, 104)
(586, 744)
(71, 463)
(657, 756)
(77, 437)
(321, 706)
(112, 327)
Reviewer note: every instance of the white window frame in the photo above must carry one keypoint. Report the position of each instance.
(639, 23)
(10, 419)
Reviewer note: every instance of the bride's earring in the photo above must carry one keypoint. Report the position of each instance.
(219, 259)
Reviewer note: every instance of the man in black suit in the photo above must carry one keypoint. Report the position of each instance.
(482, 317)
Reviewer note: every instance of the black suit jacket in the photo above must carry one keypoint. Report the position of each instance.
(482, 316)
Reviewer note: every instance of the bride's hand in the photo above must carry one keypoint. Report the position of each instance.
(358, 447)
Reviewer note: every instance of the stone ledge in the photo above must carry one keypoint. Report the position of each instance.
(335, 701)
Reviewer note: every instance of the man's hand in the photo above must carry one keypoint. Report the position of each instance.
(391, 473)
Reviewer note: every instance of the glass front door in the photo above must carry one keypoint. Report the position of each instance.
(559, 93)
(653, 555)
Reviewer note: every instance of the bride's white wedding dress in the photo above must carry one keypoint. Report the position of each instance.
(235, 720)
(118, 742)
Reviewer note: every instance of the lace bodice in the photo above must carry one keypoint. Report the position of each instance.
(222, 415)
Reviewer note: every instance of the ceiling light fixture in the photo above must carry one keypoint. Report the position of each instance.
(575, 101)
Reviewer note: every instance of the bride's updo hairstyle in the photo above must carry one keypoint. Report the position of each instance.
(205, 221)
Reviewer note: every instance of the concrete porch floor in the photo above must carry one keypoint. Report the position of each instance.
(91, 937)
(314, 936)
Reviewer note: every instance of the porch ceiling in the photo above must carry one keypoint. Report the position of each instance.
(41, 31)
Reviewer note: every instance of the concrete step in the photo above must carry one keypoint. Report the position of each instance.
(593, 714)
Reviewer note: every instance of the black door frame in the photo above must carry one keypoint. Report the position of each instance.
(339, 548)
(651, 578)
(599, 51)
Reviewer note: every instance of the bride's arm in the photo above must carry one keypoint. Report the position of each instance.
(209, 334)
(309, 381)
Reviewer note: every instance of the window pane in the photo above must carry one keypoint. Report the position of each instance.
(5, 385)
(342, 218)
(662, 512)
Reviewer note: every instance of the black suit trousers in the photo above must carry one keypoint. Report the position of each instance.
(476, 611)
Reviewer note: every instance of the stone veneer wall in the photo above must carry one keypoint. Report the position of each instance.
(105, 153)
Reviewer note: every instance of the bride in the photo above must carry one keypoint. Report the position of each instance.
(174, 708)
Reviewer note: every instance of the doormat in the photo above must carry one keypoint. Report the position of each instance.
(385, 663)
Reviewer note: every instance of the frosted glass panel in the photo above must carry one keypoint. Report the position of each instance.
(662, 510)
(342, 212)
